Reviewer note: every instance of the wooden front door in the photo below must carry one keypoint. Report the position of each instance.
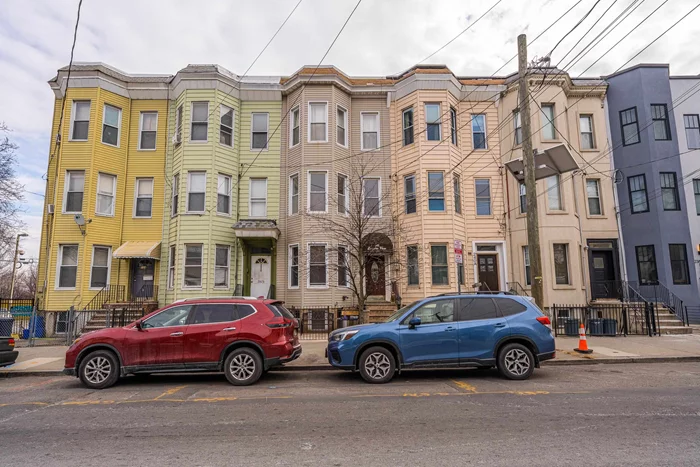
(488, 272)
(375, 280)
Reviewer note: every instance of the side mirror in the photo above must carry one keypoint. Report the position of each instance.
(415, 321)
(139, 326)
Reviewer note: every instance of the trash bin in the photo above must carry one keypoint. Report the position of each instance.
(610, 327)
(595, 327)
(571, 326)
(6, 324)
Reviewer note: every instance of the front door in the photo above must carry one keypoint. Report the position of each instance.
(375, 280)
(142, 278)
(260, 275)
(603, 275)
(434, 340)
(488, 272)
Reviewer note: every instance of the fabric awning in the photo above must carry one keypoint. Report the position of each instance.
(138, 249)
(552, 161)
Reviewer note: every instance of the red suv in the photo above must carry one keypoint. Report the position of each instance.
(243, 337)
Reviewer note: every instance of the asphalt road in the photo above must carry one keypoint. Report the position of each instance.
(641, 415)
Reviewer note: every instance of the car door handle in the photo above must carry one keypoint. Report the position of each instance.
(228, 329)
(176, 334)
(499, 325)
(449, 329)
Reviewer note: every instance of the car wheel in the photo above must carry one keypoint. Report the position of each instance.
(243, 367)
(99, 369)
(377, 365)
(515, 361)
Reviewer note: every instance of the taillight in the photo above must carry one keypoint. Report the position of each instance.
(544, 320)
(278, 323)
(11, 341)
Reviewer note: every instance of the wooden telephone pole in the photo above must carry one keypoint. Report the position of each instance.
(533, 232)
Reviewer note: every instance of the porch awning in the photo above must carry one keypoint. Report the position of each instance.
(138, 249)
(552, 161)
(256, 228)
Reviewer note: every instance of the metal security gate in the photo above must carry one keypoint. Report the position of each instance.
(316, 323)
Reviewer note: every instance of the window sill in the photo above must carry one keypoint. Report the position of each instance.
(194, 213)
(198, 141)
(557, 213)
(146, 150)
(104, 215)
(259, 149)
(223, 214)
(442, 211)
(222, 287)
(64, 289)
(564, 287)
(95, 288)
(191, 288)
(318, 287)
(484, 216)
(368, 149)
(72, 213)
(590, 150)
(317, 212)
(110, 145)
(342, 145)
(293, 287)
(142, 217)
(226, 145)
(70, 140)
(317, 142)
(441, 286)
(596, 216)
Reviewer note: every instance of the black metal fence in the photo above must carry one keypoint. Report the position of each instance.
(318, 323)
(692, 313)
(120, 318)
(636, 318)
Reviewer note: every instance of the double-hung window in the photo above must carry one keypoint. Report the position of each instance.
(111, 125)
(561, 263)
(436, 191)
(221, 267)
(548, 130)
(106, 190)
(148, 130)
(692, 130)
(679, 263)
(669, 191)
(629, 126)
(67, 266)
(696, 191)
(175, 195)
(369, 122)
(259, 127)
(438, 263)
(526, 261)
(457, 186)
(171, 267)
(317, 192)
(553, 184)
(196, 191)
(372, 199)
(99, 272)
(408, 126)
(226, 125)
(479, 131)
(593, 194)
(295, 127)
(318, 121)
(341, 126)
(646, 264)
(483, 196)
(75, 186)
(317, 265)
(294, 194)
(199, 129)
(432, 120)
(143, 192)
(223, 194)
(586, 129)
(409, 184)
(517, 124)
(343, 262)
(342, 194)
(80, 121)
(523, 198)
(659, 118)
(453, 125)
(193, 265)
(637, 185)
(178, 124)
(293, 266)
(412, 264)
(258, 197)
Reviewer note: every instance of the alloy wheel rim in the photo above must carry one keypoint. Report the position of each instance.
(517, 362)
(242, 367)
(377, 365)
(98, 370)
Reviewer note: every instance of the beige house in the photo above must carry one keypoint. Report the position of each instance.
(577, 219)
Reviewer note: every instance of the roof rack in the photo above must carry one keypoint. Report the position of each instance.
(478, 292)
(235, 297)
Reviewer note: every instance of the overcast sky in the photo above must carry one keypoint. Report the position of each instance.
(383, 37)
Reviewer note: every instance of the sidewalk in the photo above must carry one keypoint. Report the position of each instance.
(632, 349)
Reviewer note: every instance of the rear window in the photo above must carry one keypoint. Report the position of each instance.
(471, 309)
(509, 307)
(279, 310)
(245, 310)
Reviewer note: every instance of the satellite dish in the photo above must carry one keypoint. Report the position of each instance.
(79, 219)
(617, 177)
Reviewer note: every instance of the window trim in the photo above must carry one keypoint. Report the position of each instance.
(308, 191)
(267, 131)
(444, 201)
(192, 122)
(59, 262)
(486, 143)
(379, 194)
(629, 193)
(66, 184)
(439, 123)
(522, 195)
(137, 182)
(290, 265)
(296, 109)
(676, 194)
(405, 195)
(667, 121)
(517, 119)
(362, 131)
(175, 195)
(228, 267)
(114, 193)
(347, 267)
(446, 265)
(636, 124)
(291, 193)
(696, 194)
(560, 195)
(179, 115)
(308, 122)
(526, 265)
(170, 281)
(594, 146)
(338, 108)
(696, 117)
(569, 279)
(346, 194)
(599, 197)
(639, 270)
(229, 195)
(189, 183)
(185, 266)
(548, 121)
(404, 128)
(684, 260)
(141, 130)
(250, 197)
(454, 137)
(476, 197)
(308, 259)
(72, 120)
(457, 192)
(92, 265)
(408, 266)
(119, 125)
(233, 124)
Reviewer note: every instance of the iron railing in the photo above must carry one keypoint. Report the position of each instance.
(318, 322)
(147, 293)
(692, 314)
(607, 289)
(604, 320)
(516, 289)
(15, 304)
(658, 294)
(121, 317)
(108, 294)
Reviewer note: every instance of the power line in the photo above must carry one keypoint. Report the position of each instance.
(574, 28)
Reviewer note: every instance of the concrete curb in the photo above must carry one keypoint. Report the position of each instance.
(323, 367)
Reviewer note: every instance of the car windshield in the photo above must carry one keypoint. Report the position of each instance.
(398, 313)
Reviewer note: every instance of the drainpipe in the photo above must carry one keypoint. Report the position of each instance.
(238, 210)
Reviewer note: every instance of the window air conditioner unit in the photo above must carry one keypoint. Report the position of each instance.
(51, 208)
(177, 138)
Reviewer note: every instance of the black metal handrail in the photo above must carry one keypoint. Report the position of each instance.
(108, 294)
(516, 288)
(146, 293)
(658, 293)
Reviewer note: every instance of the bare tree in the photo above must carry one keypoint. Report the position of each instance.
(11, 195)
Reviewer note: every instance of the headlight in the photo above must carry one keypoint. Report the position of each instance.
(77, 339)
(343, 335)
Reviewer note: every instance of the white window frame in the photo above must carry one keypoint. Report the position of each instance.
(547, 122)
(227, 267)
(308, 122)
(223, 108)
(346, 194)
(141, 130)
(184, 267)
(558, 192)
(114, 194)
(308, 262)
(228, 194)
(192, 122)
(340, 108)
(66, 184)
(308, 191)
(599, 197)
(290, 265)
(136, 196)
(291, 194)
(477, 197)
(404, 127)
(347, 267)
(72, 119)
(526, 265)
(189, 182)
(379, 188)
(175, 195)
(92, 265)
(439, 122)
(59, 262)
(119, 125)
(250, 197)
(589, 117)
(267, 131)
(297, 110)
(172, 250)
(517, 124)
(486, 142)
(179, 113)
(362, 131)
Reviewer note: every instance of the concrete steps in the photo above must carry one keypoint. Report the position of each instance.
(379, 311)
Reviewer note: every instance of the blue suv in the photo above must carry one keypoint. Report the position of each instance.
(473, 330)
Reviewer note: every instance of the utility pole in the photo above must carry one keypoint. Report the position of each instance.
(533, 228)
(14, 267)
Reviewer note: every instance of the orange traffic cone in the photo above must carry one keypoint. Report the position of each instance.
(582, 343)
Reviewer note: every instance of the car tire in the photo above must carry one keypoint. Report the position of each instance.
(243, 367)
(377, 365)
(515, 361)
(99, 369)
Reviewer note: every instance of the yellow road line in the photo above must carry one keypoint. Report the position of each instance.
(14, 404)
(466, 386)
(170, 392)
